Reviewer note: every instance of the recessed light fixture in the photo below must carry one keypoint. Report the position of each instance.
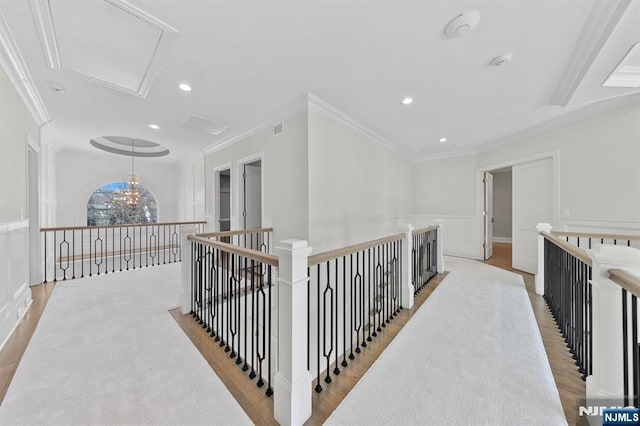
(185, 87)
(443, 140)
(627, 73)
(57, 87)
(153, 126)
(407, 101)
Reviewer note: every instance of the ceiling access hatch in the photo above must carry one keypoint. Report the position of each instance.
(109, 42)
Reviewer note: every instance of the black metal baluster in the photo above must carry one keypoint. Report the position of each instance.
(352, 306)
(254, 319)
(245, 366)
(336, 370)
(634, 349)
(269, 391)
(318, 387)
(368, 316)
(625, 349)
(261, 349)
(344, 311)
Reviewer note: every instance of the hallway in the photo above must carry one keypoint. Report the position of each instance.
(26, 389)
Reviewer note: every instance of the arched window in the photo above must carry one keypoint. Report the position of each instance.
(111, 204)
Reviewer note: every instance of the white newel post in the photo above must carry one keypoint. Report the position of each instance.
(440, 245)
(406, 270)
(541, 227)
(292, 384)
(606, 380)
(185, 287)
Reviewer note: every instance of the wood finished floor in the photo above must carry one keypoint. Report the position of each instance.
(260, 409)
(570, 385)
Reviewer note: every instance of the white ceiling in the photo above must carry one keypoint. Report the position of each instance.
(248, 60)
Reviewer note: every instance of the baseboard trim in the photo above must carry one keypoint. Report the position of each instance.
(502, 240)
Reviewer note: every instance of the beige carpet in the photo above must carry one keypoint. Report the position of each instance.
(471, 355)
(107, 351)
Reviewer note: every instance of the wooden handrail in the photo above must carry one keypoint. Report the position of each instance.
(260, 256)
(129, 225)
(326, 256)
(579, 253)
(236, 232)
(598, 236)
(425, 229)
(626, 280)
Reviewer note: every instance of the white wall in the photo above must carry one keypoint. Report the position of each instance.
(79, 174)
(357, 187)
(192, 189)
(502, 199)
(445, 189)
(598, 167)
(16, 126)
(16, 123)
(284, 168)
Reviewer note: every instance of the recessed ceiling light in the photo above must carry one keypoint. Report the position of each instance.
(185, 87)
(407, 101)
(56, 87)
(627, 73)
(443, 140)
(153, 126)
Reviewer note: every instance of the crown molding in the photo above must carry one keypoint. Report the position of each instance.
(578, 114)
(603, 19)
(336, 115)
(13, 64)
(293, 108)
(41, 11)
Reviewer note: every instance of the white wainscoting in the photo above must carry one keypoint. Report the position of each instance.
(458, 232)
(15, 294)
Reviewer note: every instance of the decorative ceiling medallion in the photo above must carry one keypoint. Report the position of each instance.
(130, 147)
(116, 44)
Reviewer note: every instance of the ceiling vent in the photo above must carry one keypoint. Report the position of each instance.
(278, 128)
(206, 125)
(439, 149)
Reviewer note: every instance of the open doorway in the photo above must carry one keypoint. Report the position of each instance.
(251, 195)
(223, 199)
(498, 217)
(516, 198)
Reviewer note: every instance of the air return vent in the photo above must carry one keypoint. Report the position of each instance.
(278, 128)
(205, 124)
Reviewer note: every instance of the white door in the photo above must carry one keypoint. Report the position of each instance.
(252, 199)
(533, 195)
(488, 215)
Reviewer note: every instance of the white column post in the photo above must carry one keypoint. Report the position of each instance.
(606, 380)
(440, 245)
(185, 287)
(408, 289)
(292, 384)
(541, 227)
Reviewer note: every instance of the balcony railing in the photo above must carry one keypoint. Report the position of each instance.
(79, 251)
(288, 316)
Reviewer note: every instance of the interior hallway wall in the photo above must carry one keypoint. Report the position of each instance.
(502, 205)
(79, 174)
(284, 171)
(357, 187)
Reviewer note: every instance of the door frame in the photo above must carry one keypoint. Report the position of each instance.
(487, 236)
(555, 158)
(236, 219)
(216, 195)
(34, 212)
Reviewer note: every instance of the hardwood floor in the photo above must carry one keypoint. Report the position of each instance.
(12, 351)
(570, 385)
(260, 408)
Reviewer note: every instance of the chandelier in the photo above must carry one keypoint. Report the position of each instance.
(132, 191)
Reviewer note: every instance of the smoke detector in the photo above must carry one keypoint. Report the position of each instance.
(501, 60)
(462, 24)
